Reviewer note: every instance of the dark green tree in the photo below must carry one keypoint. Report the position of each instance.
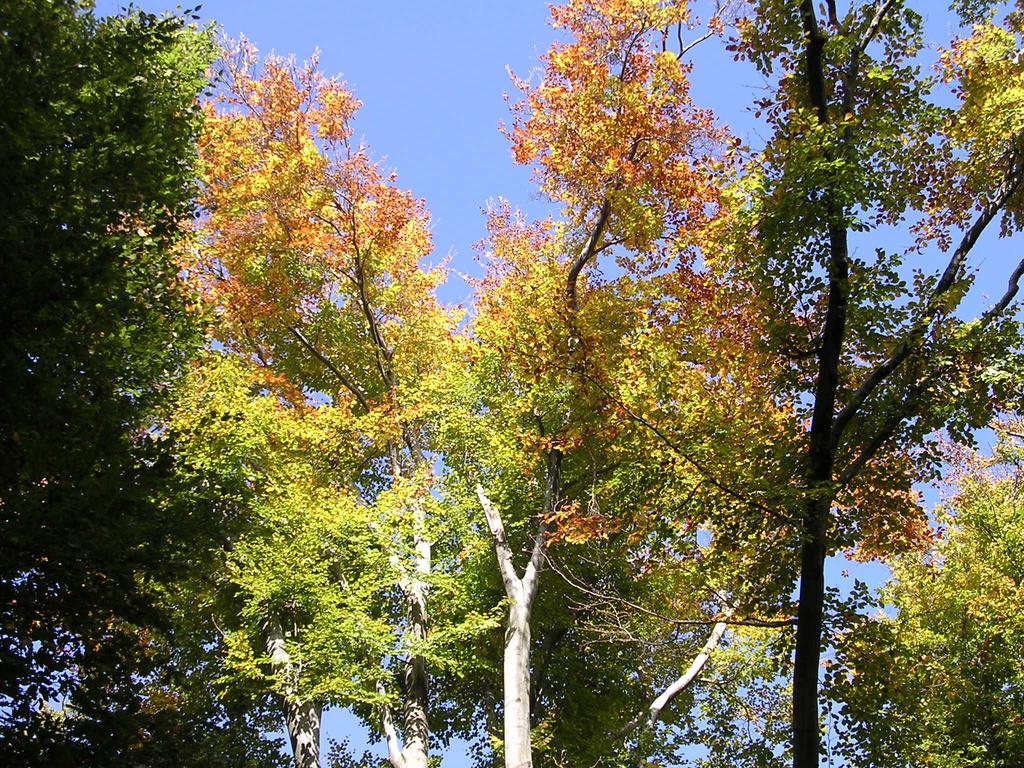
(98, 120)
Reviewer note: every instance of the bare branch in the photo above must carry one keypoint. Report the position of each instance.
(381, 351)
(882, 8)
(685, 49)
(683, 681)
(395, 756)
(552, 491)
(724, 617)
(833, 16)
(329, 365)
(511, 580)
(533, 568)
(699, 466)
(872, 447)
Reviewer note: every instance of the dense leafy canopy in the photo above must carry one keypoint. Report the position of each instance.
(97, 150)
(951, 689)
(583, 521)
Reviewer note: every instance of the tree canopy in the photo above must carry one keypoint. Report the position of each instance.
(256, 468)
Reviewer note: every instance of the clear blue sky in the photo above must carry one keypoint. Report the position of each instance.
(432, 75)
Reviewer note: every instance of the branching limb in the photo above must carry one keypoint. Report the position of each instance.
(588, 252)
(872, 447)
(676, 449)
(1000, 306)
(951, 276)
(726, 617)
(649, 718)
(329, 365)
(882, 9)
(506, 566)
(395, 756)
(684, 681)
(552, 491)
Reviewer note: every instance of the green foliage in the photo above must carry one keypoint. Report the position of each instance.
(937, 679)
(302, 547)
(98, 122)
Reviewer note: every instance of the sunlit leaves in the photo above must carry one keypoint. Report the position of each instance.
(311, 253)
(611, 119)
(939, 681)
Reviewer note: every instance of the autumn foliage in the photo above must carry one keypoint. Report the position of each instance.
(586, 518)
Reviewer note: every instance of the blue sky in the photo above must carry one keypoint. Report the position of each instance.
(432, 76)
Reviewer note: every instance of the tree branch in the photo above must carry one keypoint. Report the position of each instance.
(381, 351)
(395, 756)
(683, 681)
(882, 9)
(551, 640)
(951, 276)
(887, 430)
(1011, 291)
(329, 365)
(699, 466)
(511, 580)
(585, 255)
(725, 617)
(552, 491)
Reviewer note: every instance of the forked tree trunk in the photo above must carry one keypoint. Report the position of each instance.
(516, 668)
(302, 718)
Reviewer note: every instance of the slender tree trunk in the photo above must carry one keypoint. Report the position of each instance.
(417, 726)
(518, 749)
(516, 668)
(822, 438)
(302, 718)
(810, 612)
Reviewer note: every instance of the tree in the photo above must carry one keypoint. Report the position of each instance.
(741, 373)
(951, 689)
(311, 255)
(858, 143)
(97, 149)
(597, 389)
(288, 594)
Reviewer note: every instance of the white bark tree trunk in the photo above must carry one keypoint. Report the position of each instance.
(516, 667)
(417, 727)
(302, 718)
(518, 749)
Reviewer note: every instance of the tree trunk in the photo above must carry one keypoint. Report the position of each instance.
(302, 718)
(417, 726)
(303, 721)
(516, 668)
(806, 729)
(518, 750)
(823, 440)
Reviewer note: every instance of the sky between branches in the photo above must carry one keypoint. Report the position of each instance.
(432, 78)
